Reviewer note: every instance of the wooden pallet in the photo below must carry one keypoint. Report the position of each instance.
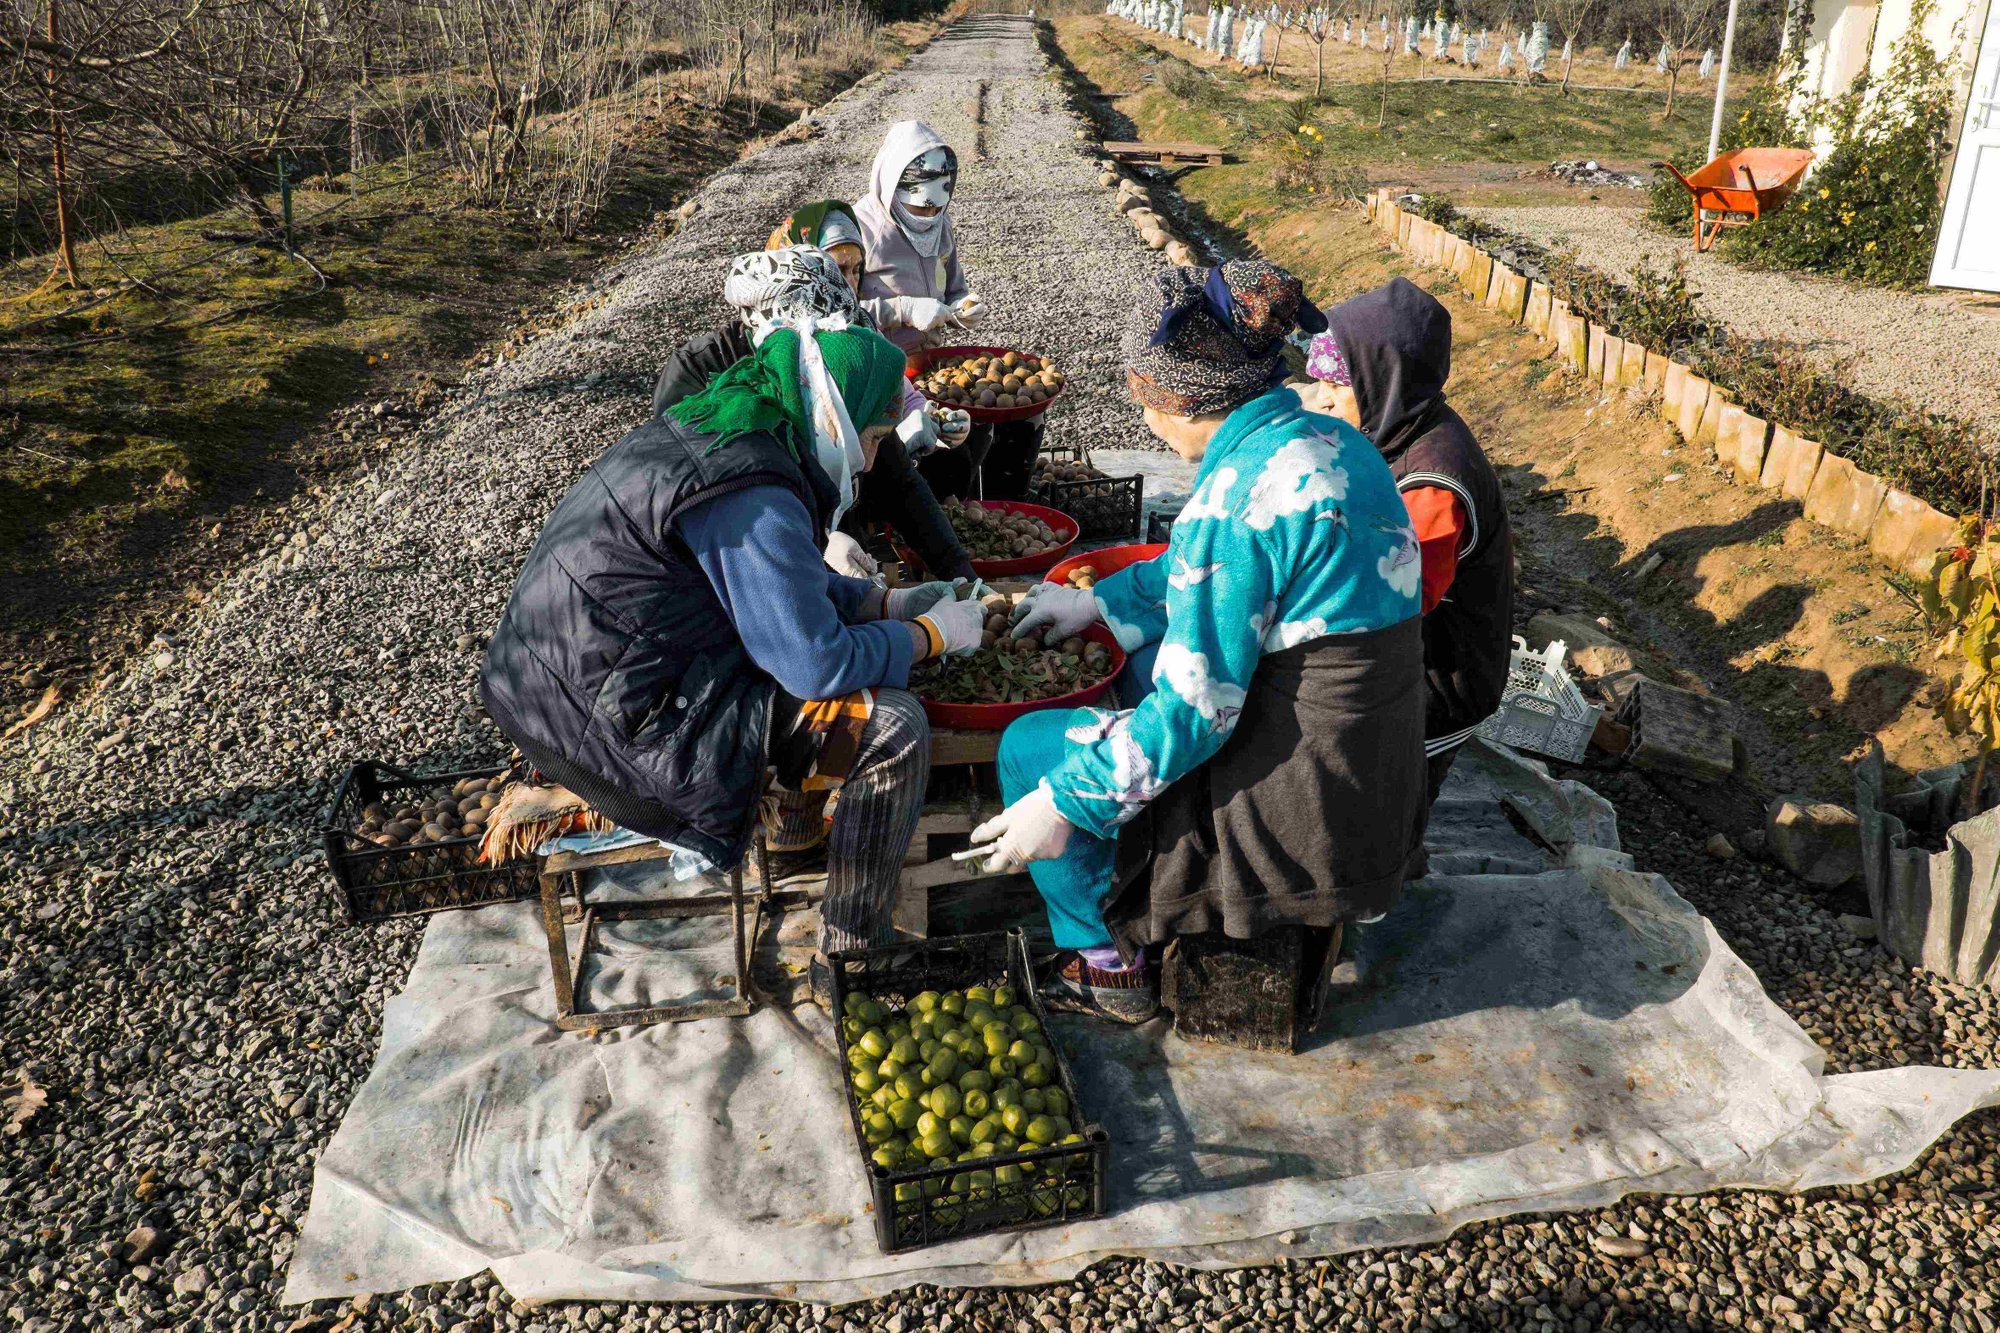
(1165, 154)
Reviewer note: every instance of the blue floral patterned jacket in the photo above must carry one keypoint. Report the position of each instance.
(1295, 531)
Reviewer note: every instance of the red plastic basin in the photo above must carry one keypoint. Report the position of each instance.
(1106, 560)
(992, 717)
(1062, 524)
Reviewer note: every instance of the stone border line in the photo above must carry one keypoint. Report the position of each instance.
(1902, 531)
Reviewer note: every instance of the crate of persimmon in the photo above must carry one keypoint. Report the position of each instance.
(1102, 505)
(1009, 676)
(962, 1107)
(403, 844)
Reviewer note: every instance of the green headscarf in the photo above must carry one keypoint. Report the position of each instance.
(763, 391)
(808, 225)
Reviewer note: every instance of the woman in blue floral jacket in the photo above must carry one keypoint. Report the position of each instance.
(1268, 769)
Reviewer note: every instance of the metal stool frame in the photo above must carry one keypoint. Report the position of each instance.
(566, 971)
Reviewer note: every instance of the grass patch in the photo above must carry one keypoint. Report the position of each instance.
(1424, 123)
(185, 383)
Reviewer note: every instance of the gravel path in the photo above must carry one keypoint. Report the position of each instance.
(1938, 349)
(172, 972)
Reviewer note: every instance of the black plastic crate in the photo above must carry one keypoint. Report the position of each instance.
(378, 883)
(916, 1207)
(1159, 527)
(1101, 506)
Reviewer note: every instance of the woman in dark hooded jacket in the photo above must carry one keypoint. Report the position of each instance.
(1381, 366)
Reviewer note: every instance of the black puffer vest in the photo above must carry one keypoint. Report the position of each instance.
(1397, 343)
(615, 668)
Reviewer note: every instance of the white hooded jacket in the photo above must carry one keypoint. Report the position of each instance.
(894, 266)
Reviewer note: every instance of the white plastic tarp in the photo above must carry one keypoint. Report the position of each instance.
(1519, 1035)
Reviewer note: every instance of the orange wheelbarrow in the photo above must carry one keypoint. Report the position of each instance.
(1741, 186)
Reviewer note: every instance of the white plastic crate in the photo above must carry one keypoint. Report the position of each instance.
(1542, 709)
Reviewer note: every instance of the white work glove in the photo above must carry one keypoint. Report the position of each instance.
(1031, 829)
(959, 624)
(845, 556)
(1056, 610)
(911, 602)
(918, 433)
(954, 427)
(969, 311)
(921, 313)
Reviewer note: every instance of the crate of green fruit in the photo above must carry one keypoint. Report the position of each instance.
(962, 1107)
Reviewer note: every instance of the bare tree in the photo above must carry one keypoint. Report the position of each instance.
(1683, 26)
(1569, 18)
(1397, 14)
(1317, 24)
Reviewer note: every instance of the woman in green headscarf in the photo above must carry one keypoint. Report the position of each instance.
(674, 633)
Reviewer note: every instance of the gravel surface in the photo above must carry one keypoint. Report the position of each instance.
(1937, 349)
(174, 975)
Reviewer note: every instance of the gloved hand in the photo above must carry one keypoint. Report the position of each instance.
(845, 556)
(911, 602)
(959, 624)
(1056, 610)
(970, 310)
(921, 313)
(954, 427)
(919, 433)
(1031, 829)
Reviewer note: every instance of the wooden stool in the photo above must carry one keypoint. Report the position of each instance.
(566, 972)
(1266, 994)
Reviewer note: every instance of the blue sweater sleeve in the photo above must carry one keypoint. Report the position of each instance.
(757, 548)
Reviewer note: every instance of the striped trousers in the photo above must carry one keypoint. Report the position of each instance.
(874, 818)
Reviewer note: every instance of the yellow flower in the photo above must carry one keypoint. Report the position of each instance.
(1305, 129)
(1824, 192)
(1869, 246)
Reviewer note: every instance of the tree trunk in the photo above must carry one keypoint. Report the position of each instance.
(1571, 60)
(1673, 81)
(1319, 67)
(59, 161)
(773, 22)
(1276, 47)
(1382, 111)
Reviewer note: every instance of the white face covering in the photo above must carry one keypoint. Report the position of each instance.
(926, 183)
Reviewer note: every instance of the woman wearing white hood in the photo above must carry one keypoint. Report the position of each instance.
(914, 290)
(913, 286)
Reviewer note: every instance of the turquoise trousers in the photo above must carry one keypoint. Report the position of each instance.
(1075, 885)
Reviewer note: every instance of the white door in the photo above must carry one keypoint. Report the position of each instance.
(1968, 248)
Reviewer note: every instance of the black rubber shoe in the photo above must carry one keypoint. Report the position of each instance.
(1074, 986)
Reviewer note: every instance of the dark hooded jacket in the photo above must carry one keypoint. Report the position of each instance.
(1397, 341)
(615, 667)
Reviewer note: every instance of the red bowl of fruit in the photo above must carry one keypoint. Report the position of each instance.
(1104, 561)
(965, 377)
(979, 533)
(994, 716)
